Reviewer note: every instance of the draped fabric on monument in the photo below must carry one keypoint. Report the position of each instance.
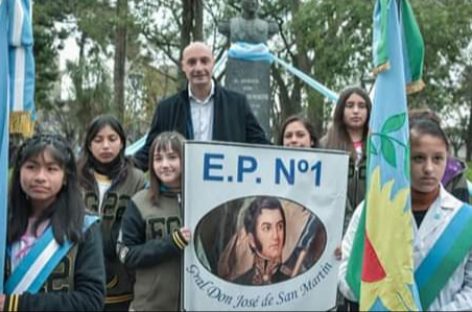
(260, 52)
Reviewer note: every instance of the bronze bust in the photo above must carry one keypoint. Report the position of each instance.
(248, 27)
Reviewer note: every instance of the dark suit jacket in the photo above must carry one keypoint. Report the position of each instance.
(233, 121)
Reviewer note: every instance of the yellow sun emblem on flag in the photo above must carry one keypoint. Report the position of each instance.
(389, 230)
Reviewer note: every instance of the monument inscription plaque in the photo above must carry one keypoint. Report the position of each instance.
(252, 79)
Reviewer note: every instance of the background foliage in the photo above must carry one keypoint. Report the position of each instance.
(129, 53)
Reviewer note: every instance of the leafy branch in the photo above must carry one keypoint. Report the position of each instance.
(387, 142)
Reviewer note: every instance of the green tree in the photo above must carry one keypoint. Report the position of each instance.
(465, 98)
(332, 45)
(92, 94)
(329, 40)
(47, 45)
(446, 27)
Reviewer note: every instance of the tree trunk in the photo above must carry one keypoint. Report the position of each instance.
(467, 96)
(85, 109)
(198, 20)
(286, 107)
(185, 33)
(192, 27)
(468, 137)
(290, 94)
(79, 87)
(300, 60)
(120, 57)
(315, 101)
(316, 111)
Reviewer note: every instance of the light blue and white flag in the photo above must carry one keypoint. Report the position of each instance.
(21, 66)
(16, 90)
(4, 120)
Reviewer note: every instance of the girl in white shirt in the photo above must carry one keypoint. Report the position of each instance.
(434, 210)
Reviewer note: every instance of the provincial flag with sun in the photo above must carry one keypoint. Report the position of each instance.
(381, 266)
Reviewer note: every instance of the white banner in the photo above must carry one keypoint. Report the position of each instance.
(265, 222)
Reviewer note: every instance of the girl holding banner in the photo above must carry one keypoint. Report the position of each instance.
(297, 131)
(442, 246)
(108, 181)
(152, 238)
(54, 258)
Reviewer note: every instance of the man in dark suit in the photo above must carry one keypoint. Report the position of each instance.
(204, 111)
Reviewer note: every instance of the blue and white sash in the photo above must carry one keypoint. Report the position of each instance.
(445, 256)
(34, 269)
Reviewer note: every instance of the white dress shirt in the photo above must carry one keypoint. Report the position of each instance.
(202, 115)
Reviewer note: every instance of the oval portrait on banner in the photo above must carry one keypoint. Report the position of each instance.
(259, 240)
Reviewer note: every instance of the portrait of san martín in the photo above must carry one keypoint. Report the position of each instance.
(259, 240)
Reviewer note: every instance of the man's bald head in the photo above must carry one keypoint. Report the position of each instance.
(196, 46)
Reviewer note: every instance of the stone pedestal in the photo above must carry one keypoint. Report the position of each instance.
(252, 78)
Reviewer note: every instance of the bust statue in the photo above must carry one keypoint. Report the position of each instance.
(248, 27)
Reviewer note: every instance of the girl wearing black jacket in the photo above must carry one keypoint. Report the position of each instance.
(54, 258)
(108, 180)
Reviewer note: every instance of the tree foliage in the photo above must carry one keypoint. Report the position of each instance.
(329, 40)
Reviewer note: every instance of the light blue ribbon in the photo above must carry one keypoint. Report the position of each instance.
(250, 52)
(260, 52)
(331, 95)
(133, 148)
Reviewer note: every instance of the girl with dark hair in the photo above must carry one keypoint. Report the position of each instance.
(152, 238)
(297, 131)
(442, 225)
(350, 126)
(54, 257)
(108, 180)
(455, 175)
(348, 132)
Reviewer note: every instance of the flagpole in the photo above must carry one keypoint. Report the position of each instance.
(4, 122)
(16, 94)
